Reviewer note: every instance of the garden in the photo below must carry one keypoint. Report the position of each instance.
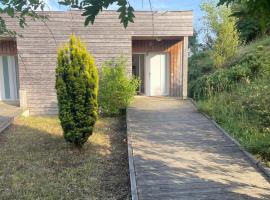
(90, 161)
(229, 73)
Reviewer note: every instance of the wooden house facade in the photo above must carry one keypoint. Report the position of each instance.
(155, 45)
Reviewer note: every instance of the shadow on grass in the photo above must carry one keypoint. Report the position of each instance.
(37, 163)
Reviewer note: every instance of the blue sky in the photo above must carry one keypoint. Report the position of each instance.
(169, 5)
(156, 4)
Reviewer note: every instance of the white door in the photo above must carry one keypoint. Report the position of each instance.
(8, 79)
(158, 74)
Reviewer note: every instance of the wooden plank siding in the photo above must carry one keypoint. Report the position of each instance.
(174, 48)
(185, 68)
(106, 39)
(8, 47)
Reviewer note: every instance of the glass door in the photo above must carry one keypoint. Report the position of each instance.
(9, 90)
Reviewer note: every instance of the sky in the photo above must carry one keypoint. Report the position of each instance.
(157, 5)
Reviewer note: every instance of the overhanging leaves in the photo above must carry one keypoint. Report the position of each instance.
(19, 9)
(92, 8)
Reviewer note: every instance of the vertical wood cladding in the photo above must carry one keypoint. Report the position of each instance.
(174, 49)
(106, 39)
(185, 67)
(8, 47)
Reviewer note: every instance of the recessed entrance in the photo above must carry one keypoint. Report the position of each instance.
(159, 63)
(153, 71)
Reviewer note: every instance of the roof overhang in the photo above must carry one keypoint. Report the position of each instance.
(157, 38)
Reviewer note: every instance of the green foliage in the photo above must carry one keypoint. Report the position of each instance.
(28, 8)
(253, 16)
(193, 42)
(92, 8)
(116, 89)
(199, 64)
(245, 113)
(249, 67)
(20, 10)
(77, 91)
(221, 27)
(238, 96)
(247, 26)
(258, 102)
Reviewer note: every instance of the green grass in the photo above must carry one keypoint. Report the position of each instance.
(238, 96)
(36, 162)
(228, 110)
(244, 49)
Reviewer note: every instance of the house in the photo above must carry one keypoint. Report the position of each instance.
(156, 47)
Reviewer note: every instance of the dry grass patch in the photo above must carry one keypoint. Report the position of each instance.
(36, 162)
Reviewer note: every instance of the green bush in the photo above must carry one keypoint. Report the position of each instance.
(250, 66)
(116, 89)
(77, 91)
(199, 64)
(258, 103)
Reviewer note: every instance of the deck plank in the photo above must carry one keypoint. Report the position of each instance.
(178, 154)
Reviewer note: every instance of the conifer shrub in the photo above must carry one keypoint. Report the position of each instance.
(77, 91)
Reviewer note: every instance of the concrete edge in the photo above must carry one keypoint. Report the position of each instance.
(132, 173)
(252, 159)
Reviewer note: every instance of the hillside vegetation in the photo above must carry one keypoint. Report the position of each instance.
(237, 95)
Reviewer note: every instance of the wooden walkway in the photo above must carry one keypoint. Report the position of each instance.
(179, 154)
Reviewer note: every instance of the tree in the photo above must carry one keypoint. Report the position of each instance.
(21, 9)
(220, 27)
(193, 42)
(247, 26)
(256, 11)
(77, 91)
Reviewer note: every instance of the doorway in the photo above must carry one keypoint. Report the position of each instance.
(153, 71)
(157, 68)
(138, 70)
(9, 84)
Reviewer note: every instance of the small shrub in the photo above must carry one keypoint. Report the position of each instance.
(77, 91)
(116, 89)
(199, 64)
(258, 103)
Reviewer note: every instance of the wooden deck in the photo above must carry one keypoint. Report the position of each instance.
(177, 153)
(7, 114)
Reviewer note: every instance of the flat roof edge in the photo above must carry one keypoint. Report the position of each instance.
(146, 11)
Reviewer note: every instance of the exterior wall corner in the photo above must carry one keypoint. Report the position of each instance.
(185, 69)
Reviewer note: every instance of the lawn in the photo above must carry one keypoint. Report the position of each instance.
(36, 162)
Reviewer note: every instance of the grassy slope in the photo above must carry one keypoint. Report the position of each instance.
(36, 162)
(243, 109)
